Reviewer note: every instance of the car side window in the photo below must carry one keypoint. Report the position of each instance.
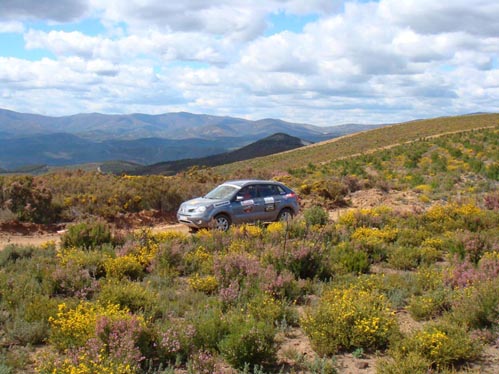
(248, 192)
(280, 190)
(267, 190)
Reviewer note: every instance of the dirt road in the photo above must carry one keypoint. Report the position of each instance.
(7, 238)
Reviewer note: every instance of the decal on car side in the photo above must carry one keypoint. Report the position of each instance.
(248, 202)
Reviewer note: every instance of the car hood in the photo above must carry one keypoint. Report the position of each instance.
(201, 201)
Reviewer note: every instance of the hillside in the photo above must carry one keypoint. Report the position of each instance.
(273, 144)
(363, 142)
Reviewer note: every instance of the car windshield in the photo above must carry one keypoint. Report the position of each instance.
(224, 191)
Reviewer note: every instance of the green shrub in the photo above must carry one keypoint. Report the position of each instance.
(12, 253)
(248, 342)
(22, 332)
(477, 306)
(404, 258)
(87, 235)
(345, 259)
(432, 304)
(316, 216)
(210, 326)
(346, 319)
(30, 200)
(442, 344)
(130, 295)
(410, 363)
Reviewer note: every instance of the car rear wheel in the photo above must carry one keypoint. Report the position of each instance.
(222, 222)
(285, 215)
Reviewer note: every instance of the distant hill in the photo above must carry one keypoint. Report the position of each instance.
(273, 144)
(27, 139)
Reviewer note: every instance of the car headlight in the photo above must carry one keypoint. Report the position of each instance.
(200, 209)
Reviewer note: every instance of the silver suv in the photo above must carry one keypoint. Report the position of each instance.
(239, 201)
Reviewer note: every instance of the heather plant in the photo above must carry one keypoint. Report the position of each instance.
(305, 259)
(281, 285)
(72, 281)
(346, 319)
(491, 201)
(74, 259)
(175, 341)
(237, 268)
(203, 362)
(465, 273)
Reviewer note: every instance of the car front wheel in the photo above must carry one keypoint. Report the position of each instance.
(222, 222)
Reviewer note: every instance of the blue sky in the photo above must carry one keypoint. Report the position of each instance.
(324, 62)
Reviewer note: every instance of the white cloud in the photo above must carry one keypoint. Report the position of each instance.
(11, 27)
(358, 62)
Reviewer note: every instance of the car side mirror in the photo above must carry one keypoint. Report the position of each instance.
(239, 198)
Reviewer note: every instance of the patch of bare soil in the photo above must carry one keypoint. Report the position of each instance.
(399, 201)
(22, 233)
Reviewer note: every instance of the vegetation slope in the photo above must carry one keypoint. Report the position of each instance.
(407, 288)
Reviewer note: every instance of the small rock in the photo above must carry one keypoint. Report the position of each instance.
(361, 365)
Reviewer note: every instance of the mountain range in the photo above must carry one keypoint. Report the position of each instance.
(27, 139)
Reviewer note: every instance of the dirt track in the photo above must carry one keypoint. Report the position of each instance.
(38, 238)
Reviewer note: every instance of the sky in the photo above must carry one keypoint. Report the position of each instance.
(322, 62)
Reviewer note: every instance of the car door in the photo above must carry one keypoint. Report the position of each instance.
(269, 200)
(245, 205)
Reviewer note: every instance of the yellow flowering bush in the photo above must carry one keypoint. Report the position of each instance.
(248, 231)
(375, 236)
(83, 364)
(127, 266)
(350, 318)
(73, 327)
(452, 216)
(276, 229)
(207, 284)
